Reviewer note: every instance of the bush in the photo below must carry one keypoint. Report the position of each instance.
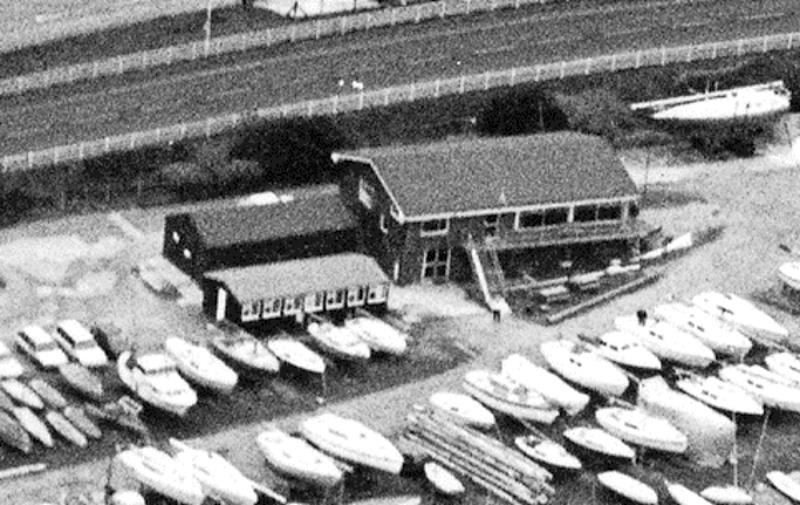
(598, 112)
(521, 110)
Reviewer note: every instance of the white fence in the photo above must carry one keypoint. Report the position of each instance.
(405, 93)
(243, 41)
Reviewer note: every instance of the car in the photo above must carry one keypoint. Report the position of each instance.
(79, 343)
(10, 367)
(39, 345)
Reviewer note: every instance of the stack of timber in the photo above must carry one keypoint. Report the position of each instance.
(486, 461)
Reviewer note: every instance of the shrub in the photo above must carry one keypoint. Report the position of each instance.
(520, 110)
(599, 112)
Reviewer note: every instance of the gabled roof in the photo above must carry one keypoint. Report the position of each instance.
(306, 214)
(300, 277)
(451, 177)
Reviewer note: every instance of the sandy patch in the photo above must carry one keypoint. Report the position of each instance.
(419, 301)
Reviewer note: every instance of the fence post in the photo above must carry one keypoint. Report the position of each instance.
(316, 29)
(766, 40)
(563, 70)
(486, 80)
(538, 74)
(108, 143)
(411, 93)
(394, 17)
(663, 57)
(588, 67)
(418, 14)
(789, 43)
(133, 140)
(714, 51)
(361, 99)
(444, 10)
(614, 62)
(30, 159)
(119, 69)
(386, 96)
(639, 59)
(739, 47)
(461, 85)
(513, 76)
(310, 108)
(436, 89)
(80, 151)
(94, 69)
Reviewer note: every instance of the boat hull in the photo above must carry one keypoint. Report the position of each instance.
(785, 484)
(146, 394)
(729, 495)
(587, 370)
(63, 427)
(80, 420)
(549, 385)
(520, 403)
(628, 487)
(258, 360)
(722, 396)
(463, 409)
(297, 355)
(22, 393)
(13, 434)
(217, 477)
(789, 274)
(297, 459)
(642, 430)
(379, 336)
(33, 425)
(685, 496)
(48, 393)
(185, 490)
(201, 367)
(599, 441)
(443, 481)
(83, 381)
(771, 393)
(549, 453)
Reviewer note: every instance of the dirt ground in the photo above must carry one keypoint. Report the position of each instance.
(755, 199)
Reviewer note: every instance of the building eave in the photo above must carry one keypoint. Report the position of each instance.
(336, 157)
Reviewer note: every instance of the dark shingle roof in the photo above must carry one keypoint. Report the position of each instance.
(296, 277)
(489, 173)
(306, 214)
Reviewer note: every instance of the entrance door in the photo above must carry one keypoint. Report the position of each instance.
(222, 300)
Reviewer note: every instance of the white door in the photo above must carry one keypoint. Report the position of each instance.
(222, 301)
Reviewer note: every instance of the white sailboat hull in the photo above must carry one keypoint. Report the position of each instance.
(295, 458)
(789, 273)
(583, 368)
(640, 429)
(160, 473)
(463, 408)
(549, 385)
(667, 342)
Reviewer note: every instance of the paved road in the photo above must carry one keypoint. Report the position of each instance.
(380, 58)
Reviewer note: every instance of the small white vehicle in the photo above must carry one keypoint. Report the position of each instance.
(40, 346)
(79, 343)
(10, 367)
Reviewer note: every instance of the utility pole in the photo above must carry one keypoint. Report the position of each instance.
(207, 27)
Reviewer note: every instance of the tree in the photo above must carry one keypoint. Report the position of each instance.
(520, 110)
(598, 112)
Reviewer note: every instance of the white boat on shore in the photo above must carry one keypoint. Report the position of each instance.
(720, 394)
(294, 457)
(547, 452)
(637, 427)
(50, 395)
(245, 351)
(685, 496)
(200, 366)
(666, 341)
(378, 335)
(726, 495)
(772, 389)
(351, 441)
(789, 274)
(297, 354)
(158, 471)
(625, 349)
(463, 408)
(739, 312)
(33, 425)
(63, 427)
(785, 364)
(218, 478)
(628, 487)
(442, 480)
(508, 397)
(599, 441)
(722, 338)
(536, 378)
(338, 341)
(154, 379)
(10, 367)
(583, 367)
(22, 393)
(786, 483)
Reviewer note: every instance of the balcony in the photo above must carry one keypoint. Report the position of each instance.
(571, 233)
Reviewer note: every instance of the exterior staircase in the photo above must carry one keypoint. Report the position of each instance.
(489, 273)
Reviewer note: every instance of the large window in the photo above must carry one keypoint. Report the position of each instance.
(585, 213)
(612, 212)
(251, 311)
(435, 263)
(434, 227)
(530, 219)
(633, 210)
(272, 308)
(555, 216)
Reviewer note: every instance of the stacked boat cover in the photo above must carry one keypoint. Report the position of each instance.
(711, 434)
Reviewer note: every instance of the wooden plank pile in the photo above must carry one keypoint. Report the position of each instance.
(487, 462)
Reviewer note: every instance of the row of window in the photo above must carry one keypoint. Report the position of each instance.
(272, 308)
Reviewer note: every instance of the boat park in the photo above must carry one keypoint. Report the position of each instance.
(450, 335)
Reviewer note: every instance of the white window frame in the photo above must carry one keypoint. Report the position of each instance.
(436, 263)
(382, 224)
(330, 299)
(437, 232)
(268, 308)
(314, 302)
(248, 315)
(356, 296)
(292, 305)
(377, 293)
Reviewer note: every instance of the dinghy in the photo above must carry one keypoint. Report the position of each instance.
(218, 478)
(685, 496)
(548, 452)
(720, 394)
(626, 350)
(463, 409)
(154, 378)
(599, 441)
(788, 484)
(521, 370)
(338, 341)
(47, 393)
(120, 414)
(10, 367)
(772, 389)
(722, 338)
(295, 458)
(785, 364)
(442, 480)
(726, 495)
(80, 420)
(5, 402)
(745, 316)
(11, 433)
(22, 393)
(161, 473)
(584, 368)
(378, 335)
(352, 442)
(297, 354)
(666, 341)
(83, 381)
(789, 274)
(246, 352)
(508, 397)
(200, 366)
(33, 425)
(639, 428)
(63, 427)
(628, 487)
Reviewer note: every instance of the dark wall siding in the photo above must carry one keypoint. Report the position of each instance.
(233, 309)
(189, 238)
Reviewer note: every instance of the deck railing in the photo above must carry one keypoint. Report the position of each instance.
(404, 93)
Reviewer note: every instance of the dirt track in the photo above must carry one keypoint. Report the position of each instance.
(757, 201)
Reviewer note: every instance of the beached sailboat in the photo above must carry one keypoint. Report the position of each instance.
(200, 366)
(626, 350)
(500, 393)
(378, 335)
(154, 378)
(685, 496)
(720, 394)
(786, 483)
(745, 316)
(83, 381)
(442, 480)
(295, 458)
(666, 341)
(158, 471)
(547, 452)
(722, 338)
(637, 427)
(10, 367)
(296, 354)
(63, 427)
(463, 409)
(628, 487)
(13, 434)
(33, 425)
(80, 420)
(786, 364)
(352, 442)
(246, 352)
(22, 393)
(338, 341)
(583, 367)
(772, 389)
(599, 441)
(727, 495)
(536, 378)
(50, 395)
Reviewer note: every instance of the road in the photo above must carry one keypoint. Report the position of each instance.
(378, 58)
